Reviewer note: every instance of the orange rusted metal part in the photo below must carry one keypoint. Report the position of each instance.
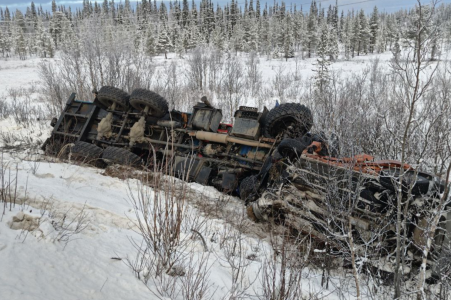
(185, 119)
(362, 163)
(317, 146)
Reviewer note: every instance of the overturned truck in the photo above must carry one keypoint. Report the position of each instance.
(283, 173)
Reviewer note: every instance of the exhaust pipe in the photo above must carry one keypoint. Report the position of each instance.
(224, 139)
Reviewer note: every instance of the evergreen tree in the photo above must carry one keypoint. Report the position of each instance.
(34, 15)
(392, 31)
(381, 40)
(163, 13)
(2, 43)
(374, 29)
(105, 8)
(364, 34)
(54, 6)
(341, 27)
(194, 38)
(355, 37)
(332, 44)
(288, 44)
(312, 29)
(237, 40)
(257, 10)
(298, 29)
(56, 27)
(218, 39)
(164, 43)
(193, 13)
(39, 38)
(250, 35)
(179, 43)
(396, 49)
(19, 20)
(322, 77)
(420, 27)
(185, 13)
(348, 38)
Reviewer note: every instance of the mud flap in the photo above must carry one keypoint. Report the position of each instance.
(186, 168)
(229, 182)
(204, 176)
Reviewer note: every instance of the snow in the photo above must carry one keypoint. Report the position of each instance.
(35, 265)
(15, 73)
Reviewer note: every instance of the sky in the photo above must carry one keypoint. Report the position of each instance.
(367, 5)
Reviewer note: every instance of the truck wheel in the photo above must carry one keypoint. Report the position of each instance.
(140, 98)
(294, 115)
(249, 188)
(121, 156)
(86, 151)
(108, 95)
(291, 149)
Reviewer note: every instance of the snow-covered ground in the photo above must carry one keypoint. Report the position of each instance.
(58, 262)
(43, 264)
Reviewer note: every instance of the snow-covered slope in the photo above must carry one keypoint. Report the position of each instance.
(55, 259)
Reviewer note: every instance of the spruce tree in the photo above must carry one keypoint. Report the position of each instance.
(19, 20)
(381, 39)
(164, 43)
(322, 77)
(54, 6)
(185, 13)
(39, 38)
(392, 31)
(257, 10)
(288, 43)
(355, 37)
(364, 34)
(2, 43)
(374, 29)
(341, 27)
(348, 37)
(332, 45)
(34, 15)
(218, 39)
(105, 7)
(179, 36)
(312, 29)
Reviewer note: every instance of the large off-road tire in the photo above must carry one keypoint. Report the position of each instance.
(249, 188)
(86, 151)
(140, 98)
(291, 149)
(108, 95)
(281, 117)
(121, 156)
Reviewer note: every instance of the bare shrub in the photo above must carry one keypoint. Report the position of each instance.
(253, 74)
(281, 273)
(67, 227)
(95, 62)
(232, 86)
(198, 66)
(234, 256)
(280, 83)
(8, 184)
(165, 223)
(195, 283)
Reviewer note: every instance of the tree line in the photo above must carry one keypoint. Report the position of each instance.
(277, 31)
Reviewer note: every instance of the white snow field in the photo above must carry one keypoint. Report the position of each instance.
(57, 261)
